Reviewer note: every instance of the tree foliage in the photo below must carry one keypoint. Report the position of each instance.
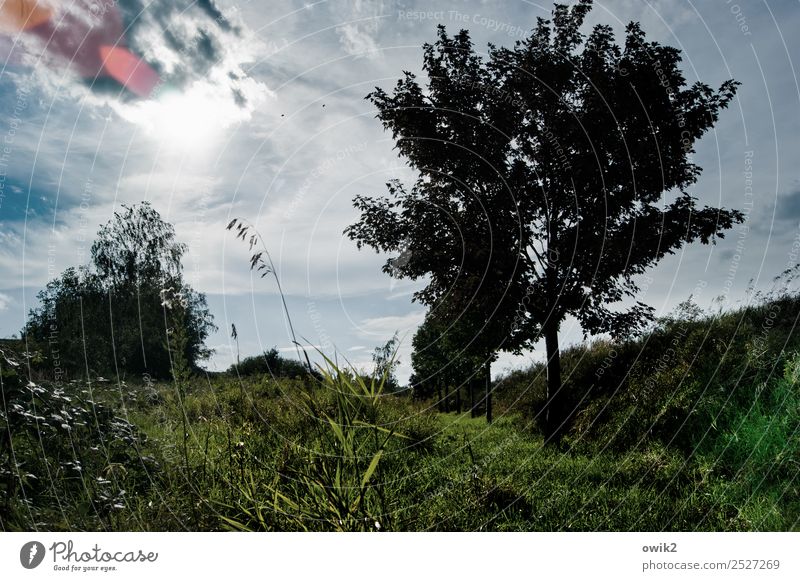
(550, 176)
(271, 363)
(120, 313)
(441, 356)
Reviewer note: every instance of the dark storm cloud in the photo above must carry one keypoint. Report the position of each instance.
(162, 11)
(788, 206)
(211, 9)
(183, 40)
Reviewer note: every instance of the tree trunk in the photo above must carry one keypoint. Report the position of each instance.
(439, 402)
(472, 411)
(458, 398)
(554, 410)
(488, 392)
(446, 399)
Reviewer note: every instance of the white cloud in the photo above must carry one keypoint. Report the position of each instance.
(385, 327)
(358, 36)
(5, 301)
(358, 40)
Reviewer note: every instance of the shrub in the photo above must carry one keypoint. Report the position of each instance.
(271, 363)
(59, 447)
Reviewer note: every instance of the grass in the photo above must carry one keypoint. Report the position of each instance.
(502, 478)
(707, 441)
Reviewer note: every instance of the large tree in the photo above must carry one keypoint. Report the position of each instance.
(127, 310)
(550, 176)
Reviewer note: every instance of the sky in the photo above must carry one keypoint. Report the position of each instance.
(262, 116)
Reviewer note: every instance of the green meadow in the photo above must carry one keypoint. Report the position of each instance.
(692, 426)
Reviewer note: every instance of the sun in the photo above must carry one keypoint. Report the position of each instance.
(185, 121)
(190, 120)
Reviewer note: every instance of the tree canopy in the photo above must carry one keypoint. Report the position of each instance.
(119, 313)
(550, 176)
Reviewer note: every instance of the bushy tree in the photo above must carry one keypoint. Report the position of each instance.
(121, 313)
(444, 359)
(271, 363)
(550, 175)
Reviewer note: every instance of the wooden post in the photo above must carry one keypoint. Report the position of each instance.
(473, 396)
(488, 392)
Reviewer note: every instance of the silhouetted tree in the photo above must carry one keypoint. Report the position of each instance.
(550, 175)
(122, 313)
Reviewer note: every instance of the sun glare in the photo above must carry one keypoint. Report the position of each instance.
(190, 120)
